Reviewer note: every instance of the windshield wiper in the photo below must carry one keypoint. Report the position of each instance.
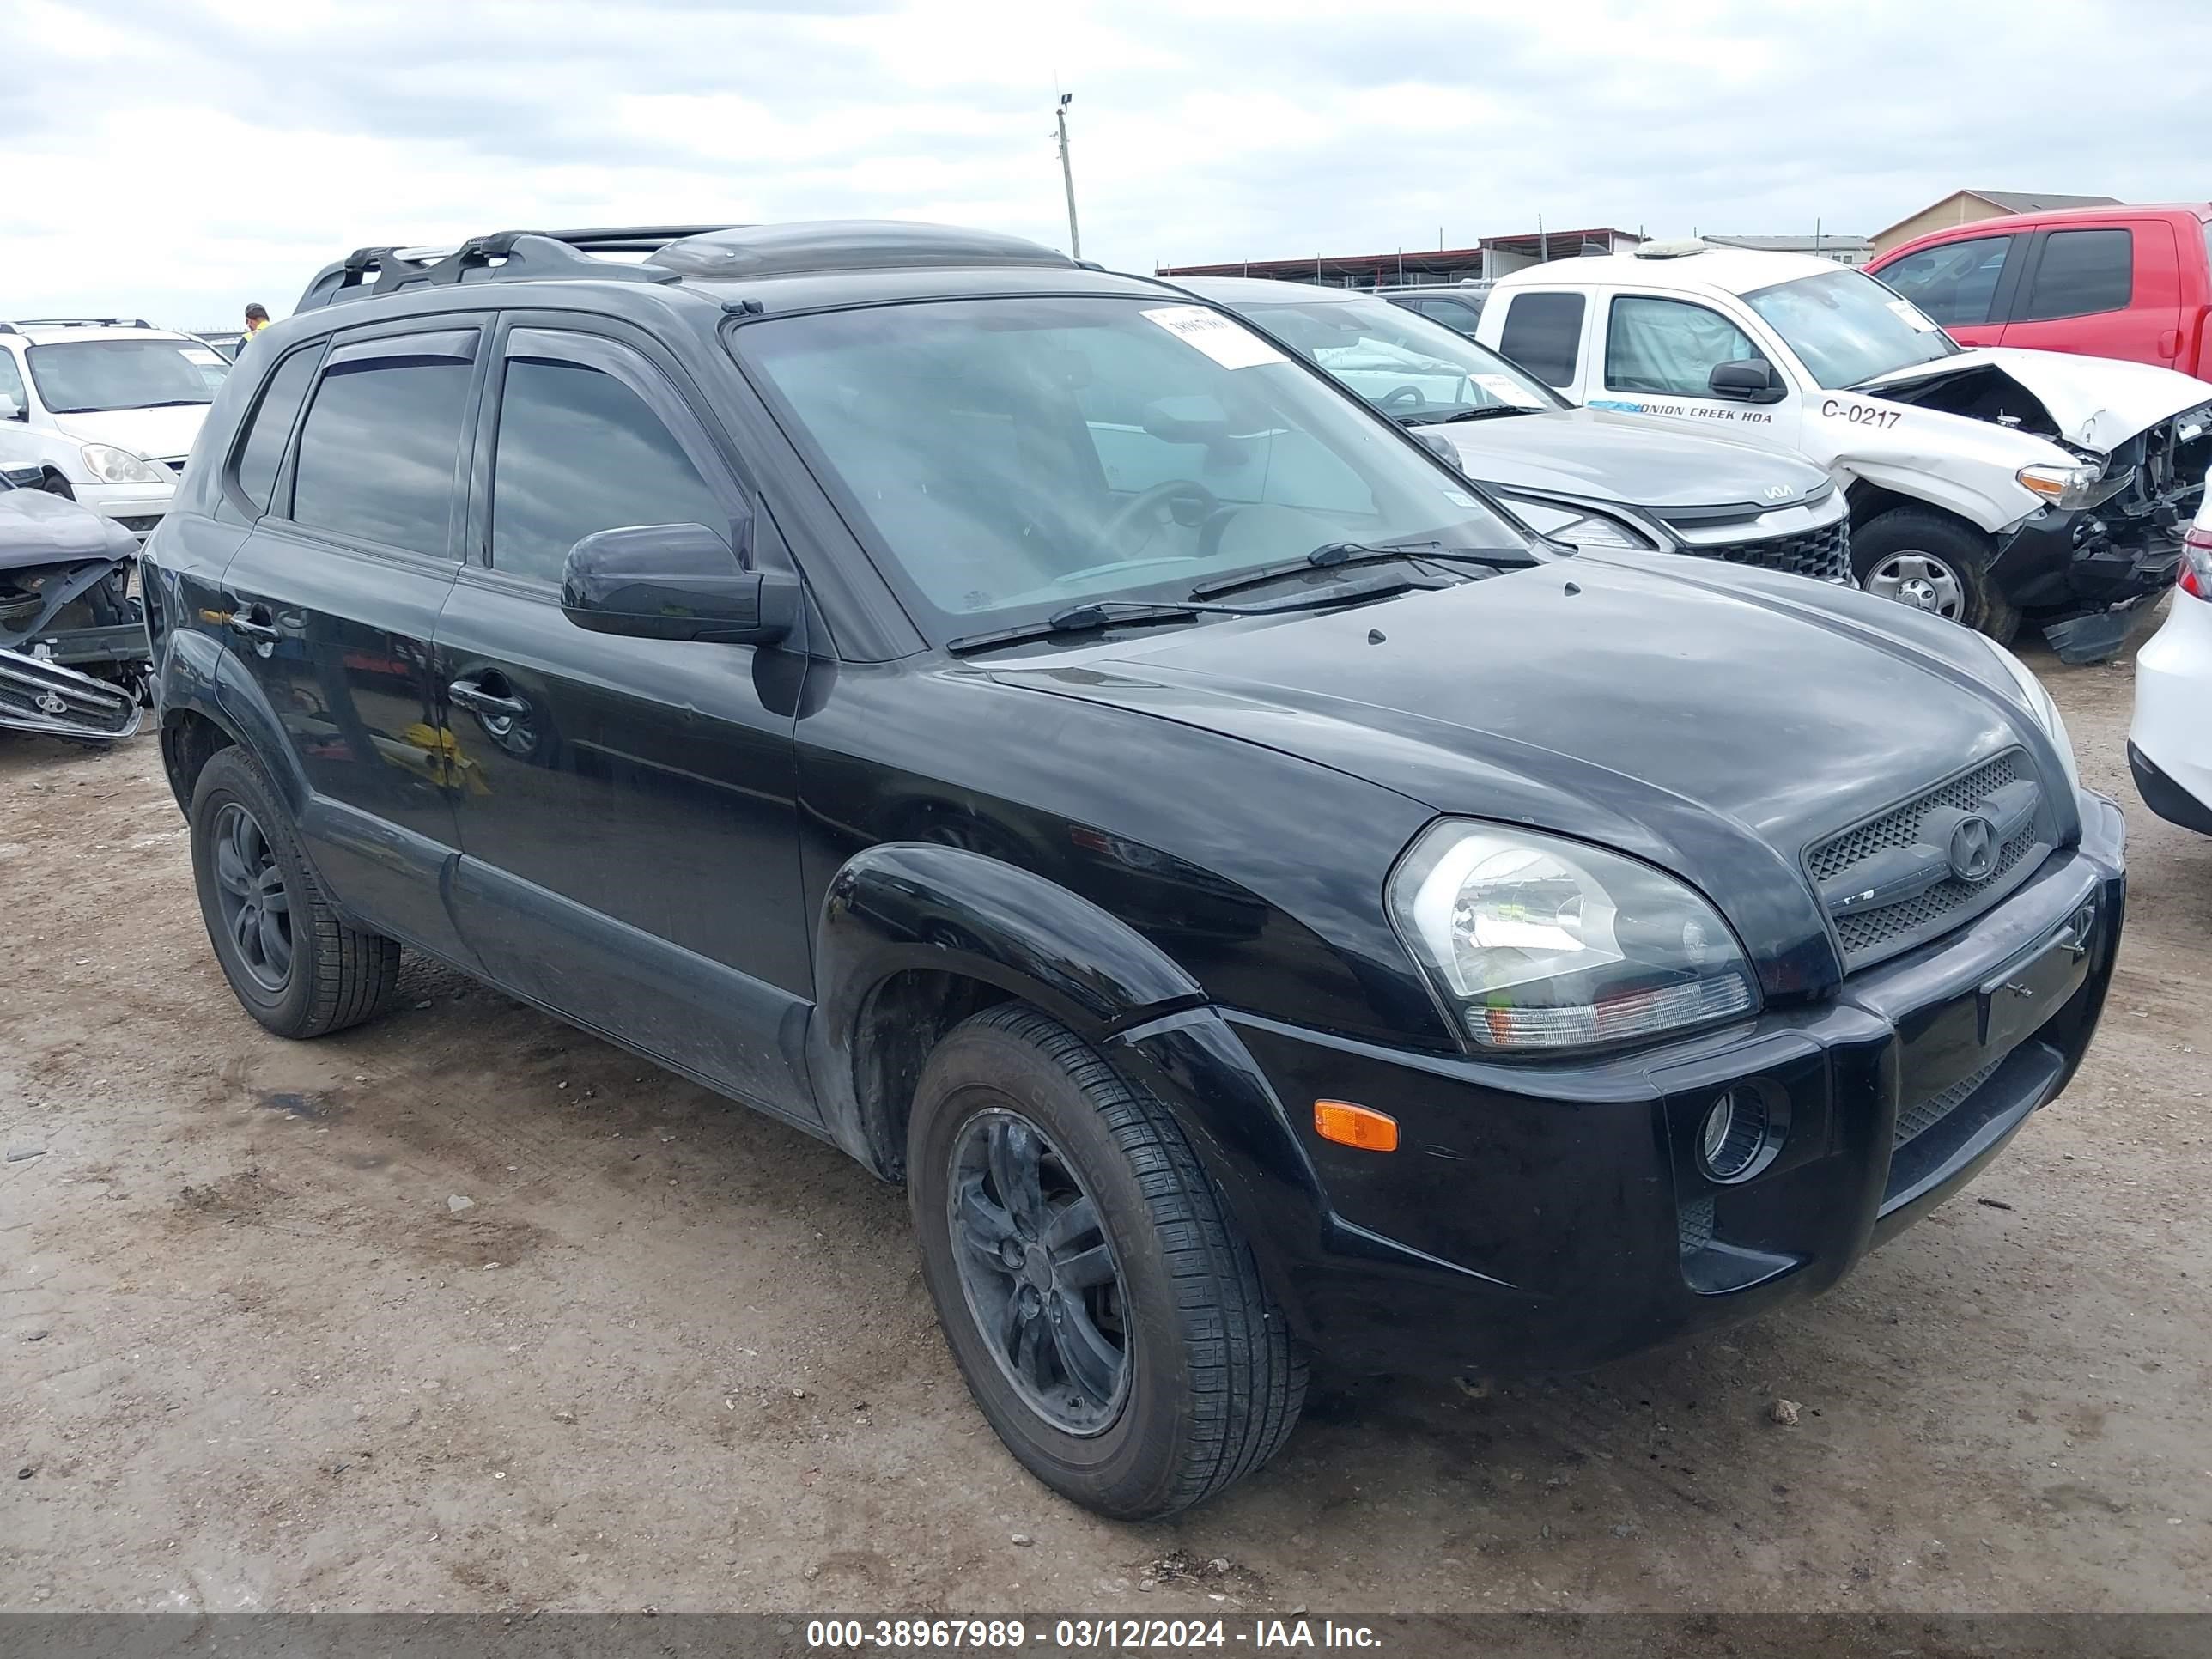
(1338, 556)
(1488, 411)
(1100, 614)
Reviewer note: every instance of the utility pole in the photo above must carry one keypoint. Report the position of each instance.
(1067, 178)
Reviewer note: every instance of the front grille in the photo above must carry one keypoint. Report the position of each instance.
(1694, 1230)
(1867, 935)
(175, 462)
(1823, 555)
(1914, 1121)
(30, 691)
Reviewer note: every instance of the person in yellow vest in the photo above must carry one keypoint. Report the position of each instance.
(257, 318)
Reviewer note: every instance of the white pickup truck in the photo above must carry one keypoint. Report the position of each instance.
(1984, 485)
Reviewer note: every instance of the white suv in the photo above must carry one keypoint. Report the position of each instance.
(105, 409)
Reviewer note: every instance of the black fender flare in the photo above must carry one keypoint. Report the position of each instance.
(905, 905)
(900, 906)
(196, 675)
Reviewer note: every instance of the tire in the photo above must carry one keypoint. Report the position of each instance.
(1209, 1380)
(331, 975)
(54, 484)
(1937, 564)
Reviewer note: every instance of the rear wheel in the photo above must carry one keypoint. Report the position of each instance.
(1101, 1303)
(1933, 563)
(294, 965)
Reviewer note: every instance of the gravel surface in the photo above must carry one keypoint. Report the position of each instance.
(467, 1310)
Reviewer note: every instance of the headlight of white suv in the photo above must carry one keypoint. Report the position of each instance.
(2040, 705)
(1536, 943)
(2065, 486)
(111, 465)
(1576, 525)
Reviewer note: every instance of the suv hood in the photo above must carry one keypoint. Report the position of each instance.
(1713, 726)
(2097, 403)
(36, 529)
(154, 433)
(1605, 456)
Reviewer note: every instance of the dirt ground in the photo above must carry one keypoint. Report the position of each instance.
(465, 1311)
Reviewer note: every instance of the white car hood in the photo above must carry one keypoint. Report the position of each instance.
(2099, 403)
(162, 434)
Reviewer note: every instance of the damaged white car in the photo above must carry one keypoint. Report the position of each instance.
(1989, 486)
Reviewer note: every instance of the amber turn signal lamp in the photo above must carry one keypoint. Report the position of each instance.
(1348, 1125)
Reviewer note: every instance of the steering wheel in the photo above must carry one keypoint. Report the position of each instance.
(1147, 502)
(1404, 397)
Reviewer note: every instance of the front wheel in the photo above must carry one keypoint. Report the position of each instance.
(1097, 1294)
(1934, 563)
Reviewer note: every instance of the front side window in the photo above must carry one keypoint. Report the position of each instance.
(1954, 283)
(1409, 366)
(1670, 346)
(89, 377)
(1014, 456)
(2081, 271)
(578, 453)
(1543, 333)
(1847, 328)
(378, 454)
(263, 444)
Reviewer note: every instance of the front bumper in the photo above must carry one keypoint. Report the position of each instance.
(137, 508)
(1548, 1219)
(2089, 570)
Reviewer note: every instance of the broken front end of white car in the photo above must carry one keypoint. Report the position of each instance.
(73, 652)
(2094, 473)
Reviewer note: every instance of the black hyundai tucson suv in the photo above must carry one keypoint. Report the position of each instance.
(1012, 722)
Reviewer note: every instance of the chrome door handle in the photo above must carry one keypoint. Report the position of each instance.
(471, 696)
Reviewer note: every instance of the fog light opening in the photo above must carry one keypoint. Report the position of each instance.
(1733, 1134)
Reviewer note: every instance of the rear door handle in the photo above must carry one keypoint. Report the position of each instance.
(249, 624)
(470, 694)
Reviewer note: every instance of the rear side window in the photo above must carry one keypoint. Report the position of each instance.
(378, 452)
(1456, 314)
(1543, 333)
(1671, 345)
(1955, 282)
(263, 446)
(2081, 271)
(579, 453)
(11, 384)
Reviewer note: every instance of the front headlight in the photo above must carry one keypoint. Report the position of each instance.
(2063, 486)
(1534, 943)
(1577, 526)
(111, 465)
(2040, 705)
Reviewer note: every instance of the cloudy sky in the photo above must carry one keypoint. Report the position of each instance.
(176, 158)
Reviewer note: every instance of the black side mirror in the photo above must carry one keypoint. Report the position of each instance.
(1749, 381)
(674, 581)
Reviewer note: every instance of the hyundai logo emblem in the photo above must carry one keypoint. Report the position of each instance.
(52, 703)
(1973, 849)
(1778, 492)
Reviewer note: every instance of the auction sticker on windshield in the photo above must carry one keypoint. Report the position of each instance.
(1230, 344)
(1506, 389)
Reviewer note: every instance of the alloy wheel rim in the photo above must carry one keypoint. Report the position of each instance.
(250, 894)
(1037, 1273)
(1921, 581)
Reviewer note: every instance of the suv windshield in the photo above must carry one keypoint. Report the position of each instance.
(83, 377)
(1846, 328)
(1408, 365)
(1013, 456)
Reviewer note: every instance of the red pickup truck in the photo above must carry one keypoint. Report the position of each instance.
(2105, 282)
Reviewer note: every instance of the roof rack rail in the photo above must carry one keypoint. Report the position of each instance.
(22, 323)
(504, 256)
